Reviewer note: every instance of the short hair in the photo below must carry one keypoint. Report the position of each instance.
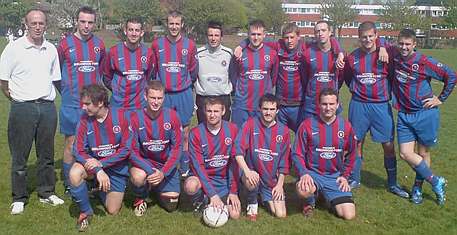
(154, 85)
(365, 26)
(215, 25)
(290, 28)
(134, 20)
(268, 97)
(328, 91)
(96, 93)
(36, 9)
(407, 33)
(213, 101)
(87, 10)
(328, 23)
(174, 14)
(257, 24)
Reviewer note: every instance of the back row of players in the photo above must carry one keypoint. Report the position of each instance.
(148, 122)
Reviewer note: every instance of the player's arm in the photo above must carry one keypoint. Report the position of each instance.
(198, 166)
(150, 73)
(123, 152)
(193, 62)
(55, 72)
(350, 152)
(274, 69)
(101, 61)
(108, 70)
(81, 146)
(443, 73)
(348, 72)
(337, 50)
(242, 145)
(5, 71)
(136, 159)
(278, 190)
(175, 145)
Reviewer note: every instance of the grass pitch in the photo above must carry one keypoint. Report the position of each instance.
(378, 212)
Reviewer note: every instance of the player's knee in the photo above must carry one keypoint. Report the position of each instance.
(76, 174)
(137, 177)
(113, 210)
(191, 185)
(346, 214)
(389, 149)
(280, 213)
(169, 202)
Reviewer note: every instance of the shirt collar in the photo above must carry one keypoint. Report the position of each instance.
(27, 44)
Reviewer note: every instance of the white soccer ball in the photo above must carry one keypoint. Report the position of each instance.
(215, 217)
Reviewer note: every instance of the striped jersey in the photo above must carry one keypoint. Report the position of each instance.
(213, 158)
(128, 72)
(80, 65)
(265, 150)
(108, 141)
(369, 79)
(411, 83)
(176, 64)
(157, 143)
(323, 148)
(257, 70)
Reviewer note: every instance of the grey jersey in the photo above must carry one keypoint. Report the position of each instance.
(214, 71)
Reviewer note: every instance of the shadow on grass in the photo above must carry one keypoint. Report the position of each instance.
(373, 181)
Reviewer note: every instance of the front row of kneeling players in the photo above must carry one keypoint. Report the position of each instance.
(109, 139)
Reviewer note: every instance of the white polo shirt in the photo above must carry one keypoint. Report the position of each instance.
(30, 70)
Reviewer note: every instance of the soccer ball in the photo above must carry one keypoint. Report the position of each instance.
(214, 217)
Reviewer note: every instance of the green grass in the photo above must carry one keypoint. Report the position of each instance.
(378, 212)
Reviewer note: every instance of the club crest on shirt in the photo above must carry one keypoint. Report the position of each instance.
(167, 126)
(439, 65)
(228, 141)
(279, 139)
(266, 57)
(224, 63)
(415, 67)
(340, 134)
(184, 51)
(144, 59)
(116, 129)
(97, 49)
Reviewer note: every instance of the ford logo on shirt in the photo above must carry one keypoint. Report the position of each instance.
(86, 69)
(218, 163)
(290, 68)
(156, 147)
(328, 155)
(134, 77)
(323, 78)
(173, 69)
(368, 80)
(106, 152)
(256, 76)
(214, 79)
(265, 157)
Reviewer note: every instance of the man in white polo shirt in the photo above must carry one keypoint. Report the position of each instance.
(28, 68)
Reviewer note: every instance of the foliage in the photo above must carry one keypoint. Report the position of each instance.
(11, 15)
(339, 12)
(149, 11)
(403, 14)
(451, 18)
(270, 12)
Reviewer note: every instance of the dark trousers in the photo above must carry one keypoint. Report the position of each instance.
(29, 121)
(200, 102)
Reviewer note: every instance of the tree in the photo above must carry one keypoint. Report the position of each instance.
(270, 12)
(197, 13)
(339, 12)
(148, 11)
(451, 18)
(11, 15)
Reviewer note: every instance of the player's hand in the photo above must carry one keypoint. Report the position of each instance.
(343, 184)
(431, 102)
(383, 56)
(340, 61)
(103, 181)
(234, 201)
(215, 201)
(92, 163)
(238, 52)
(155, 178)
(252, 177)
(306, 183)
(278, 193)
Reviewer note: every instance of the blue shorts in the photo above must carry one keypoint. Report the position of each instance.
(326, 184)
(171, 183)
(182, 102)
(239, 116)
(421, 126)
(374, 117)
(68, 119)
(118, 178)
(290, 116)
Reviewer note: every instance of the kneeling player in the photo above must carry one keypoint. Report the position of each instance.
(101, 151)
(157, 147)
(211, 147)
(324, 152)
(262, 152)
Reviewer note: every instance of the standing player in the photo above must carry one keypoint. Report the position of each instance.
(369, 81)
(157, 146)
(262, 153)
(80, 56)
(101, 150)
(215, 71)
(418, 113)
(212, 151)
(128, 66)
(323, 154)
(256, 69)
(177, 68)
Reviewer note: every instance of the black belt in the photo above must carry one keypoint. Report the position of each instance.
(39, 101)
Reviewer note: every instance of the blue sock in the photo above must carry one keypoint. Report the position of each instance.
(390, 163)
(424, 171)
(198, 197)
(184, 162)
(252, 196)
(66, 170)
(81, 196)
(140, 192)
(311, 200)
(355, 174)
(418, 181)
